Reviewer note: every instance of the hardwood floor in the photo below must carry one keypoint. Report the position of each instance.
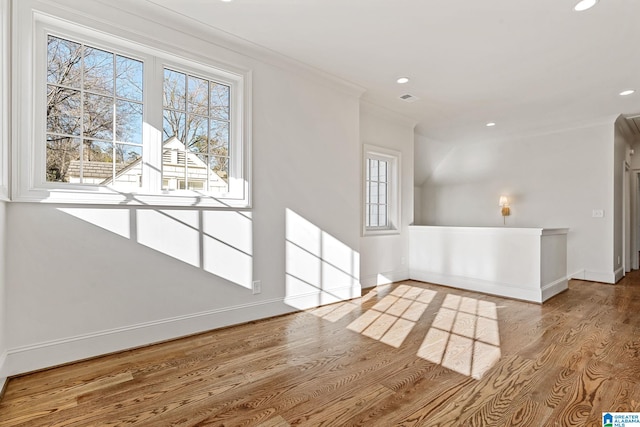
(409, 354)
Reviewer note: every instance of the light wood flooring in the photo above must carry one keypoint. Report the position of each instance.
(409, 354)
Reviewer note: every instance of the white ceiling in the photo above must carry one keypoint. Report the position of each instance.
(530, 66)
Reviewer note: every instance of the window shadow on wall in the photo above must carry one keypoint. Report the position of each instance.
(219, 242)
(319, 268)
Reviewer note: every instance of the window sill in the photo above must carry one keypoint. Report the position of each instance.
(106, 196)
(380, 232)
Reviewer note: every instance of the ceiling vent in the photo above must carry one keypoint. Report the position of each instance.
(409, 98)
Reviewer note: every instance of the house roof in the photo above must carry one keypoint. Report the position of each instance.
(172, 143)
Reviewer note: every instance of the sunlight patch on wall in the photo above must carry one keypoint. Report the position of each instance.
(113, 220)
(391, 320)
(319, 268)
(228, 246)
(219, 242)
(464, 336)
(174, 233)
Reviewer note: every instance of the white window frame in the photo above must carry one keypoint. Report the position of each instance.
(393, 159)
(29, 178)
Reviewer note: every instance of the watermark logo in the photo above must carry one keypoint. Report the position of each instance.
(607, 420)
(621, 419)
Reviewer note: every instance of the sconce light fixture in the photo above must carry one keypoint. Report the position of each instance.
(504, 203)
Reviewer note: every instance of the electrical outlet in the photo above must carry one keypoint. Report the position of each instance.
(257, 287)
(597, 213)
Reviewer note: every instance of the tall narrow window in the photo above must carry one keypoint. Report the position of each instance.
(94, 116)
(376, 197)
(381, 190)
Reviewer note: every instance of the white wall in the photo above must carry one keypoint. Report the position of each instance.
(3, 307)
(553, 180)
(428, 154)
(86, 280)
(385, 258)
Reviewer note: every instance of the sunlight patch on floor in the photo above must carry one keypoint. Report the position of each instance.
(464, 336)
(392, 318)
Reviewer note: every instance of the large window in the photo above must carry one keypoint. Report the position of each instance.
(381, 190)
(114, 121)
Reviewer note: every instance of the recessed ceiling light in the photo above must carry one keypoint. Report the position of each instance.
(584, 5)
(627, 92)
(226, 1)
(490, 124)
(403, 80)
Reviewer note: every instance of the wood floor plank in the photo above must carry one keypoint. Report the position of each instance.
(367, 362)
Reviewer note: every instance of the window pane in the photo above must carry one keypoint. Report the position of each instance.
(219, 138)
(128, 166)
(373, 192)
(374, 170)
(129, 122)
(197, 133)
(374, 216)
(98, 116)
(219, 173)
(97, 151)
(61, 152)
(382, 171)
(174, 93)
(63, 110)
(382, 216)
(173, 168)
(198, 96)
(219, 101)
(63, 62)
(197, 172)
(97, 162)
(174, 125)
(128, 78)
(98, 70)
(382, 193)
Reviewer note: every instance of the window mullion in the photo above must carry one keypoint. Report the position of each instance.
(152, 130)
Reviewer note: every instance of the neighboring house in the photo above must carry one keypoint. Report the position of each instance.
(181, 169)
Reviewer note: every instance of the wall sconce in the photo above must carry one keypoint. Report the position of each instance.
(504, 203)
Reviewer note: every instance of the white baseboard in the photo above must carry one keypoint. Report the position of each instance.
(618, 274)
(373, 280)
(3, 375)
(320, 297)
(578, 275)
(57, 352)
(500, 289)
(597, 276)
(478, 285)
(554, 288)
